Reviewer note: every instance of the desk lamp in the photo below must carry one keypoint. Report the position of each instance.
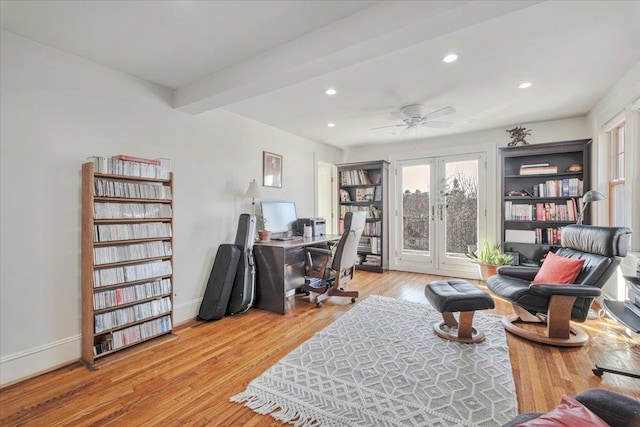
(253, 193)
(589, 196)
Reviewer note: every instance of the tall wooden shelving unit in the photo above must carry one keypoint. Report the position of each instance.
(364, 187)
(542, 211)
(127, 262)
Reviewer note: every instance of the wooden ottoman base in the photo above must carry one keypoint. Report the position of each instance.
(466, 332)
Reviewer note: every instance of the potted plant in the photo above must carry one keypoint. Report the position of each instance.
(264, 235)
(489, 257)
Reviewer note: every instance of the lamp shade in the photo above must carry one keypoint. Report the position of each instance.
(589, 196)
(593, 196)
(253, 192)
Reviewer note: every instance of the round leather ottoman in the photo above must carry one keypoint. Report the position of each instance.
(450, 296)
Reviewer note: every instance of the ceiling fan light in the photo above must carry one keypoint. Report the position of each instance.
(330, 91)
(450, 58)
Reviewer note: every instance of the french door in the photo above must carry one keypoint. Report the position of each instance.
(440, 208)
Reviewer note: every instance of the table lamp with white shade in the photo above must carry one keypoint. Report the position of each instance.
(253, 193)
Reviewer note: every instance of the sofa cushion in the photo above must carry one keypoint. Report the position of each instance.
(569, 412)
(557, 269)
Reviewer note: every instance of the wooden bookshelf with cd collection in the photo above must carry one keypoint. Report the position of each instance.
(363, 187)
(127, 256)
(542, 188)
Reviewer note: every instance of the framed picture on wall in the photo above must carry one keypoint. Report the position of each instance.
(271, 170)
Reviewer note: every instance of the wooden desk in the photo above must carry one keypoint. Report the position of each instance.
(280, 270)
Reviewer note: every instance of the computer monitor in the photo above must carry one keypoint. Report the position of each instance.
(280, 217)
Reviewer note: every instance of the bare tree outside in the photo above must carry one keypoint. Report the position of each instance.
(461, 198)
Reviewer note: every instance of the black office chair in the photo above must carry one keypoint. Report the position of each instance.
(336, 265)
(558, 304)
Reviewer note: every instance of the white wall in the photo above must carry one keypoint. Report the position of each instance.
(59, 109)
(622, 101)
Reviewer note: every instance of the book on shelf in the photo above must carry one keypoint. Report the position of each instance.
(520, 236)
(136, 159)
(344, 195)
(533, 165)
(539, 170)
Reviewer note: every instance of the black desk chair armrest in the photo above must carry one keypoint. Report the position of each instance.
(565, 290)
(524, 273)
(319, 251)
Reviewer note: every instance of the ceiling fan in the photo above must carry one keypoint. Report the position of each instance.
(413, 115)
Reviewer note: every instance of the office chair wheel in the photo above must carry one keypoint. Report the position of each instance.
(353, 300)
(319, 304)
(597, 372)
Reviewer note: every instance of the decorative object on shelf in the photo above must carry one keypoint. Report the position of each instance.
(518, 134)
(271, 170)
(489, 257)
(576, 167)
(253, 193)
(589, 196)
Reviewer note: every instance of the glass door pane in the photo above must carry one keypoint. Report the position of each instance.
(416, 240)
(457, 208)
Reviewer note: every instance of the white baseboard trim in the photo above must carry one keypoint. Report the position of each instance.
(35, 361)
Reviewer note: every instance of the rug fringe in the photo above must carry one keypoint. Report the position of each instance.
(280, 411)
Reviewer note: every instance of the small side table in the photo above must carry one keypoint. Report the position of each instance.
(629, 319)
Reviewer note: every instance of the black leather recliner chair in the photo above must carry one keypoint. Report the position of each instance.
(554, 304)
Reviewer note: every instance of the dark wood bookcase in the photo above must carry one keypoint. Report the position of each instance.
(364, 187)
(127, 262)
(538, 202)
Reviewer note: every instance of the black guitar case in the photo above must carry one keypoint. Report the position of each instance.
(216, 295)
(244, 287)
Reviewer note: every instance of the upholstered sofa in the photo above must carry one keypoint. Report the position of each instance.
(613, 408)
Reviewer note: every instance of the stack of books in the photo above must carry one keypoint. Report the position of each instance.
(537, 169)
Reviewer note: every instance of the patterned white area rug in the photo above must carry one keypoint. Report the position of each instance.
(380, 364)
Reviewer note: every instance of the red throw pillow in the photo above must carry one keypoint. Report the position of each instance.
(568, 413)
(560, 270)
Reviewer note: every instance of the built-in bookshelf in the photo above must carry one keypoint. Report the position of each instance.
(127, 255)
(363, 187)
(542, 188)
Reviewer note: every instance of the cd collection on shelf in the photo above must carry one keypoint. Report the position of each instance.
(144, 230)
(135, 313)
(121, 253)
(131, 190)
(132, 166)
(141, 291)
(131, 210)
(127, 268)
(130, 273)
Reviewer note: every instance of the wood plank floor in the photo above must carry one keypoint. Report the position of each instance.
(188, 381)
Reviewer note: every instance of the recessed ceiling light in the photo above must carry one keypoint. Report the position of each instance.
(524, 85)
(330, 91)
(331, 125)
(450, 58)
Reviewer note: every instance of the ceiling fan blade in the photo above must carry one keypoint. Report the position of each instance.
(436, 124)
(386, 127)
(441, 112)
(399, 115)
(406, 130)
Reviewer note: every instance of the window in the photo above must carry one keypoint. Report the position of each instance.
(616, 176)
